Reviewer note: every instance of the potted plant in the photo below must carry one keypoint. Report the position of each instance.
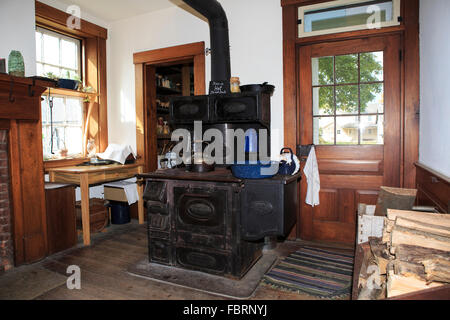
(68, 83)
(65, 83)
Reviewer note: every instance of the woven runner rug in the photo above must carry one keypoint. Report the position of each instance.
(320, 272)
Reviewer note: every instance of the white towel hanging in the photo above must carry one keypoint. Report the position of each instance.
(311, 172)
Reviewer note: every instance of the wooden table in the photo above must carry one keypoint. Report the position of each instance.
(85, 176)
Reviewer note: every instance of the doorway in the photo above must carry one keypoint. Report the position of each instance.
(350, 109)
(160, 74)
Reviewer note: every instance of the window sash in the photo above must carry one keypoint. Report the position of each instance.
(46, 125)
(59, 66)
(396, 9)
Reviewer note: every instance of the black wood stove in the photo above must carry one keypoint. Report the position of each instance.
(214, 222)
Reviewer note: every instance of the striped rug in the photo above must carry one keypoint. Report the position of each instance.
(319, 272)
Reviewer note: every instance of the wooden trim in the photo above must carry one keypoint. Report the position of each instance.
(411, 92)
(199, 74)
(141, 117)
(433, 172)
(290, 77)
(103, 97)
(170, 53)
(146, 110)
(350, 35)
(51, 17)
(290, 90)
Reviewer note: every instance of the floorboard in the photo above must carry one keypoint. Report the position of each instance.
(103, 273)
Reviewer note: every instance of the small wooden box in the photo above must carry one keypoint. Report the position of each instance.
(115, 194)
(98, 213)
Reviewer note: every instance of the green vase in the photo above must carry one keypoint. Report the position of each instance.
(16, 66)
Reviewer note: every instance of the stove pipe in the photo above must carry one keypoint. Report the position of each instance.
(220, 42)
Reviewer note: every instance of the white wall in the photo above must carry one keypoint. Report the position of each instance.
(17, 22)
(256, 56)
(435, 85)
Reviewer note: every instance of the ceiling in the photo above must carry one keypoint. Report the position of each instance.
(113, 10)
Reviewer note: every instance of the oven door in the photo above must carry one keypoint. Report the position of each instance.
(268, 209)
(185, 110)
(200, 210)
(244, 107)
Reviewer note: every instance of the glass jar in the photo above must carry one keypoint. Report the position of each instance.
(235, 85)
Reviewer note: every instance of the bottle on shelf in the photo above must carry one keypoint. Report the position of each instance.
(160, 126)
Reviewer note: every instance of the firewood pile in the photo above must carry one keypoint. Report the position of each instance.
(412, 255)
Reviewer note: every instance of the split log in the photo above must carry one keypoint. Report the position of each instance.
(437, 270)
(398, 285)
(401, 235)
(381, 253)
(386, 237)
(388, 225)
(423, 226)
(407, 269)
(394, 198)
(425, 217)
(417, 255)
(373, 293)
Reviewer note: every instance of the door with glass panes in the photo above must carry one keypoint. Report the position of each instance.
(350, 109)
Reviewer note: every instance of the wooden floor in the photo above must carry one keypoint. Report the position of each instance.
(103, 268)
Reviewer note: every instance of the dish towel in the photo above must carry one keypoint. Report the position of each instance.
(311, 172)
(130, 188)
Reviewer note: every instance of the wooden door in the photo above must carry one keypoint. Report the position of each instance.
(350, 108)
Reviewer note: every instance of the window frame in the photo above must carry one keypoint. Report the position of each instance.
(396, 19)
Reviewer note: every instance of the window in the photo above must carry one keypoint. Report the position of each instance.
(65, 121)
(348, 99)
(347, 15)
(62, 115)
(57, 54)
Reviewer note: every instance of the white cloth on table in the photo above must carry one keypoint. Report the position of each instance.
(311, 171)
(116, 152)
(130, 188)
